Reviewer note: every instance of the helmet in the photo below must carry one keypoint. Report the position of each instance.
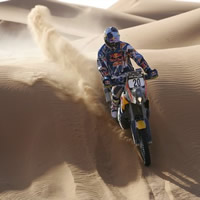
(111, 37)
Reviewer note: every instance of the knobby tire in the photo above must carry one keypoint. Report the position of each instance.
(144, 147)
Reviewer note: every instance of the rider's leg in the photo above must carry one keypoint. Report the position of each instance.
(116, 93)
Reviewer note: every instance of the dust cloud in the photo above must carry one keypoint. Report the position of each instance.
(79, 70)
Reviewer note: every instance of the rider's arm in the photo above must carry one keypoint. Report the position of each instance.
(103, 69)
(138, 58)
(102, 65)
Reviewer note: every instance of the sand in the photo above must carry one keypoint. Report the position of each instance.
(57, 139)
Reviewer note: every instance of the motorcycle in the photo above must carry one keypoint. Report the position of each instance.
(133, 110)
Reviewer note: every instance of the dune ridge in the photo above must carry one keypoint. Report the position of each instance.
(178, 31)
(63, 13)
(155, 9)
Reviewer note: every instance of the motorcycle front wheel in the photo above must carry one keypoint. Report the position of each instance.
(143, 147)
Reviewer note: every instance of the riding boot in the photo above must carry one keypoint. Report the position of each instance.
(114, 107)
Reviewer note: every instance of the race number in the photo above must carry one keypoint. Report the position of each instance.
(137, 82)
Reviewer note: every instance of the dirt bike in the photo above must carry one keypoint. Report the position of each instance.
(133, 110)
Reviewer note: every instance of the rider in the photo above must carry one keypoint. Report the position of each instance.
(114, 60)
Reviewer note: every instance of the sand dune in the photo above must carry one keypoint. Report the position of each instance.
(57, 138)
(72, 15)
(177, 31)
(154, 9)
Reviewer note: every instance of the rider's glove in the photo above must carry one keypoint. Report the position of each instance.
(107, 81)
(151, 73)
(154, 73)
(148, 70)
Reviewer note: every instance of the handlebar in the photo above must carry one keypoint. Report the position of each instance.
(120, 80)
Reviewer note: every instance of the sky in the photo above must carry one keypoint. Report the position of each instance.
(198, 1)
(94, 3)
(101, 3)
(105, 3)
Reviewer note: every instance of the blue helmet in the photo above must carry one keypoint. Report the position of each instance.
(111, 37)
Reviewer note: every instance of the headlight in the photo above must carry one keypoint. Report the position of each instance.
(139, 99)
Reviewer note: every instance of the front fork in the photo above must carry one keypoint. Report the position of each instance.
(139, 124)
(133, 125)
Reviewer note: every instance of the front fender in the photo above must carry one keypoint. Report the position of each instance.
(141, 124)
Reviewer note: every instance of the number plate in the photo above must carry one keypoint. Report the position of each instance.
(137, 82)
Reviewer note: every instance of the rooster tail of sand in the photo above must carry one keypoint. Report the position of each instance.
(58, 49)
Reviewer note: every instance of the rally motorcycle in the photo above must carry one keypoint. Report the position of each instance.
(133, 110)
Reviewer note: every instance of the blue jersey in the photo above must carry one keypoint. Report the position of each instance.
(114, 62)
